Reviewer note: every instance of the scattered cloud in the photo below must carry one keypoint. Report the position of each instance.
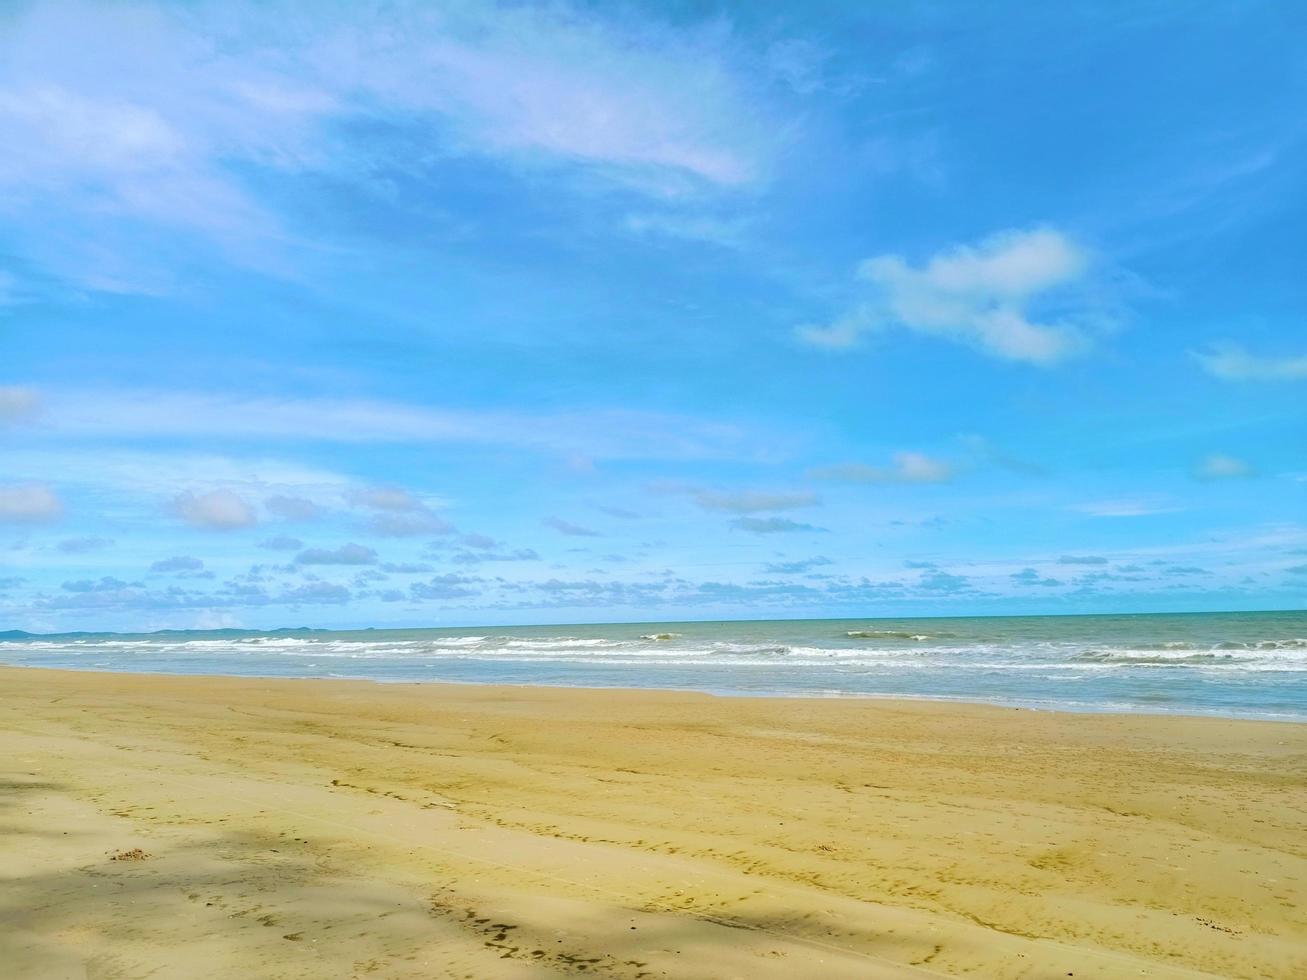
(404, 524)
(142, 472)
(105, 584)
(907, 467)
(1230, 362)
(1028, 576)
(346, 554)
(570, 529)
(602, 434)
(772, 525)
(178, 563)
(1125, 507)
(476, 557)
(17, 404)
(292, 508)
(79, 546)
(1221, 467)
(1184, 570)
(406, 568)
(938, 581)
(31, 503)
(726, 232)
(795, 567)
(1011, 296)
(282, 542)
(1082, 560)
(451, 586)
(385, 498)
(751, 502)
(398, 513)
(313, 592)
(619, 512)
(219, 510)
(177, 109)
(984, 451)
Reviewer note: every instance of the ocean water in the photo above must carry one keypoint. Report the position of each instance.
(1239, 664)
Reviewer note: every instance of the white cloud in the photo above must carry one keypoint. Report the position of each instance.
(17, 404)
(772, 525)
(907, 467)
(727, 232)
(219, 510)
(385, 498)
(178, 563)
(1009, 296)
(147, 472)
(537, 80)
(399, 513)
(1126, 507)
(290, 508)
(752, 501)
(404, 524)
(346, 554)
(570, 529)
(282, 542)
(151, 112)
(599, 433)
(1231, 362)
(1221, 467)
(31, 503)
(79, 546)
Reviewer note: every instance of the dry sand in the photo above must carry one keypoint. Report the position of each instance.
(335, 829)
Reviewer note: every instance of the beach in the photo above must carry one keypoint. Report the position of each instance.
(217, 826)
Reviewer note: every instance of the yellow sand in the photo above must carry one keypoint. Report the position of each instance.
(339, 829)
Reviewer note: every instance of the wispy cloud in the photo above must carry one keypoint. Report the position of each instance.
(570, 529)
(31, 503)
(147, 113)
(1230, 362)
(907, 467)
(796, 567)
(398, 513)
(164, 472)
(346, 554)
(1082, 560)
(753, 501)
(1010, 296)
(17, 404)
(178, 563)
(1126, 507)
(1219, 466)
(599, 433)
(772, 525)
(282, 542)
(217, 510)
(290, 508)
(80, 546)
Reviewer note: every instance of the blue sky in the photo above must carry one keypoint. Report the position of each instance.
(400, 313)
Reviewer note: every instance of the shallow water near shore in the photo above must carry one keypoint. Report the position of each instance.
(1237, 664)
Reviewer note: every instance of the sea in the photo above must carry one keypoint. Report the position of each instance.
(1249, 664)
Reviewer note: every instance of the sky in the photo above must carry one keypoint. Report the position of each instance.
(404, 314)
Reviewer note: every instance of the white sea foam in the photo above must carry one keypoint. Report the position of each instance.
(1238, 668)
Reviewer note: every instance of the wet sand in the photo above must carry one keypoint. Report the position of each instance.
(221, 827)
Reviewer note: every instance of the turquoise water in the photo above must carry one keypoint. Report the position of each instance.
(1250, 664)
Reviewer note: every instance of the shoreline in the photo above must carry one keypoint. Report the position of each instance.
(332, 827)
(1048, 707)
(465, 627)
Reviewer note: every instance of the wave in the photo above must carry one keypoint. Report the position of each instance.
(891, 635)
